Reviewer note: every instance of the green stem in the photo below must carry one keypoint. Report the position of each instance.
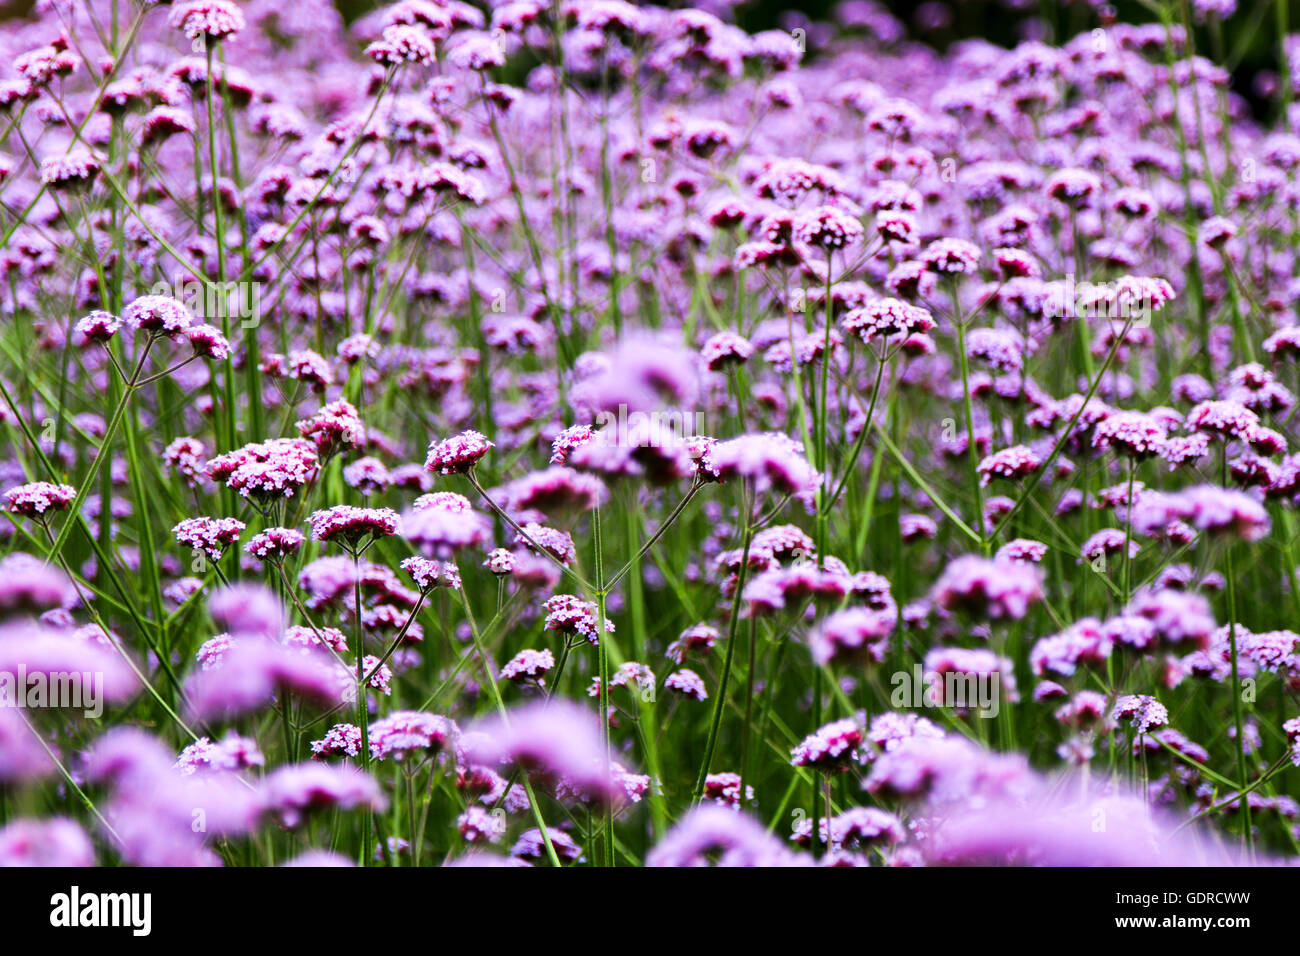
(972, 446)
(719, 702)
(1247, 836)
(501, 710)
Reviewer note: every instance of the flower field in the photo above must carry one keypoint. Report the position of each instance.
(581, 433)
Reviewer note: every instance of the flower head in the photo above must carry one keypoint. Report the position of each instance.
(458, 454)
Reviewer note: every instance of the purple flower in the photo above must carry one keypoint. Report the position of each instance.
(1052, 829)
(405, 731)
(531, 846)
(341, 740)
(630, 674)
(953, 677)
(528, 665)
(478, 825)
(990, 588)
(553, 741)
(97, 673)
(556, 490)
(368, 475)
(1224, 511)
(188, 458)
(1009, 464)
(573, 437)
(946, 771)
(157, 313)
(28, 584)
(231, 753)
(71, 171)
(890, 320)
(830, 748)
(951, 256)
(22, 757)
(428, 574)
(724, 790)
(853, 635)
(214, 19)
(711, 835)
(275, 544)
(152, 807)
(316, 859)
(1082, 643)
(52, 842)
(292, 792)
(209, 535)
(1022, 549)
(558, 544)
(1130, 433)
(267, 471)
(333, 426)
(857, 828)
(248, 608)
(443, 524)
(208, 342)
(697, 639)
(687, 683)
(725, 350)
(1107, 541)
(254, 670)
(98, 326)
(771, 462)
(350, 525)
(1143, 711)
(35, 499)
(1208, 508)
(403, 44)
(1179, 618)
(458, 454)
(775, 589)
(570, 614)
(641, 376)
(1223, 419)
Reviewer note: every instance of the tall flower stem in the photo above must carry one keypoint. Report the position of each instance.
(1128, 533)
(823, 440)
(650, 542)
(972, 446)
(495, 688)
(816, 790)
(363, 710)
(751, 666)
(504, 516)
(852, 459)
(719, 701)
(97, 462)
(1247, 836)
(603, 639)
(219, 234)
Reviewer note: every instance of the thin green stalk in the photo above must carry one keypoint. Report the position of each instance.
(603, 639)
(719, 702)
(501, 710)
(105, 452)
(1247, 835)
(972, 446)
(363, 704)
